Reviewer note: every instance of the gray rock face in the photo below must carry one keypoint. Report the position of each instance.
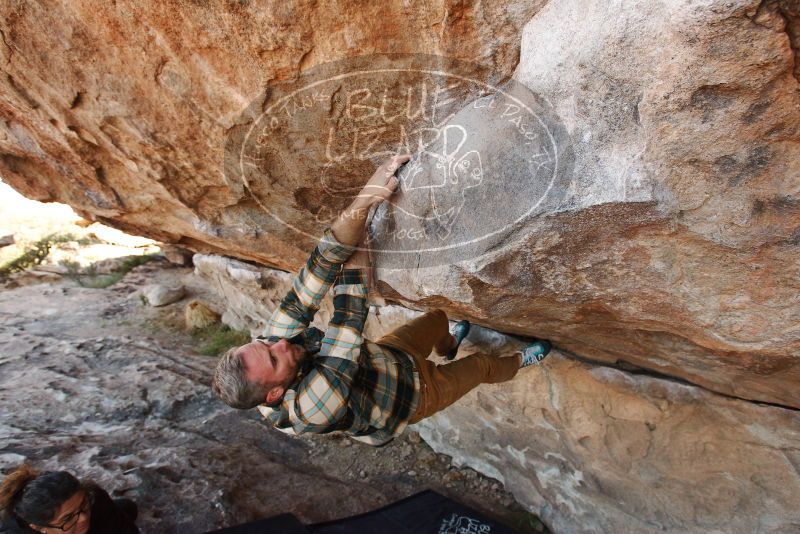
(595, 449)
(586, 447)
(495, 165)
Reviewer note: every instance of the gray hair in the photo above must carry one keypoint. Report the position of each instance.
(230, 383)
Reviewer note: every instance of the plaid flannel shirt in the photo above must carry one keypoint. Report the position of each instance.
(353, 385)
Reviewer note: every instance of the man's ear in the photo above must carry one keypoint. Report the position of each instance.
(274, 394)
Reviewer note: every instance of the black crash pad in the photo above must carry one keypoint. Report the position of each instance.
(279, 524)
(427, 512)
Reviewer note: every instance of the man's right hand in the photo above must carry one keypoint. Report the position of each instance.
(348, 228)
(383, 183)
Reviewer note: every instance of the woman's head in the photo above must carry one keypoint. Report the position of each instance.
(49, 502)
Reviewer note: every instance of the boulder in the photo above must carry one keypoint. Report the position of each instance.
(665, 237)
(177, 255)
(198, 315)
(158, 295)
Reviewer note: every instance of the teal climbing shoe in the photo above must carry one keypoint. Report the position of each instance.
(460, 331)
(535, 352)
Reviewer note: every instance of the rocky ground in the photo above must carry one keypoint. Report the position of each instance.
(100, 383)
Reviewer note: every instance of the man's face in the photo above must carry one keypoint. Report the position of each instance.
(271, 362)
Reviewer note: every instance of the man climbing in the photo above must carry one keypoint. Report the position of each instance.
(309, 382)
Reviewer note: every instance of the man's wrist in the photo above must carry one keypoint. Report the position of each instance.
(360, 205)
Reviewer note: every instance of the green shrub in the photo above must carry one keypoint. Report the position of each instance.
(34, 254)
(95, 281)
(216, 339)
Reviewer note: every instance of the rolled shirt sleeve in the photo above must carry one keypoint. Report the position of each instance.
(343, 337)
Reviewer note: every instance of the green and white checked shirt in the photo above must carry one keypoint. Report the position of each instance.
(353, 385)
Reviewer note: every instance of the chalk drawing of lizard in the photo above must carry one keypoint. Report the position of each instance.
(451, 169)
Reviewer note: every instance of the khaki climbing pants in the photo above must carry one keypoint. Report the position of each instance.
(442, 385)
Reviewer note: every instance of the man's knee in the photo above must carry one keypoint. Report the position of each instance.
(439, 317)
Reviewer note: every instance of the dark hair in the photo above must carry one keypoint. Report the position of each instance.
(33, 497)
